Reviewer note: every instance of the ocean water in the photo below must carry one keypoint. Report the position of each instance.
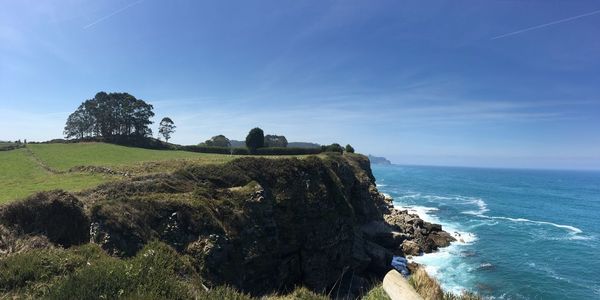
(523, 234)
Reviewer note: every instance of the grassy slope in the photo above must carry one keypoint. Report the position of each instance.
(21, 175)
(65, 156)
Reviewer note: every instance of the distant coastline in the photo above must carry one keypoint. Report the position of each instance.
(379, 160)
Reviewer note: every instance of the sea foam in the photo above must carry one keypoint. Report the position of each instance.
(570, 228)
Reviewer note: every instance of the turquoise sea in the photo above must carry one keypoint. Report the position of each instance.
(523, 234)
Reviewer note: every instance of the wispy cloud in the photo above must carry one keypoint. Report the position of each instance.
(546, 24)
(112, 14)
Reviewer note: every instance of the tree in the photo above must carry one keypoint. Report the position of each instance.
(349, 149)
(166, 128)
(335, 147)
(109, 115)
(218, 141)
(255, 139)
(79, 124)
(275, 141)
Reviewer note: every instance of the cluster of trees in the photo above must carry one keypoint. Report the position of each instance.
(109, 115)
(255, 139)
(258, 142)
(218, 141)
(275, 141)
(335, 147)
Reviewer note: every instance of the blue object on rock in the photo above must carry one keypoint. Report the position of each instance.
(401, 265)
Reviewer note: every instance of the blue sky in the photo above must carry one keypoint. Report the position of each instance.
(472, 83)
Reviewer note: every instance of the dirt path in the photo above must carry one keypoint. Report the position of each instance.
(40, 162)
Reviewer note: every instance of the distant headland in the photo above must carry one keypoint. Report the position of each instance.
(378, 160)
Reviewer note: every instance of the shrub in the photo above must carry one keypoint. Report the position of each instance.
(335, 147)
(216, 150)
(287, 151)
(300, 293)
(349, 149)
(41, 265)
(154, 273)
(57, 215)
(376, 293)
(225, 292)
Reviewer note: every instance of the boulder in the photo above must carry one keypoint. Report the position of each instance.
(441, 238)
(431, 227)
(411, 248)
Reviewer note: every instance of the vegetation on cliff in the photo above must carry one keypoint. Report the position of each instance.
(77, 166)
(261, 226)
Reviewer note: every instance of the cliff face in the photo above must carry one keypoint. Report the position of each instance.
(261, 225)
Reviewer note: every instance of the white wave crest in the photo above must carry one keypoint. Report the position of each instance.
(444, 262)
(481, 205)
(423, 212)
(570, 228)
(462, 237)
(410, 196)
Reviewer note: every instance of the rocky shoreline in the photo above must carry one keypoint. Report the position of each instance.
(405, 234)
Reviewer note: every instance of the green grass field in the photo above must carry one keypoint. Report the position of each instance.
(43, 167)
(65, 156)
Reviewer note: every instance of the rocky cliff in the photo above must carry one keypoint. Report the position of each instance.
(260, 225)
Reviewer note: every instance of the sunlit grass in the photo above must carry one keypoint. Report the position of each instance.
(21, 176)
(22, 173)
(65, 156)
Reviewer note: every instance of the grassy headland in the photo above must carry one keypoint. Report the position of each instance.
(40, 167)
(157, 271)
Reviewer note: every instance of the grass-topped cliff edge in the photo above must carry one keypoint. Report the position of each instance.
(260, 225)
(40, 167)
(138, 223)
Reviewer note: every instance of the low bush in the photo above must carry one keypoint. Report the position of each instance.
(216, 150)
(287, 151)
(300, 293)
(42, 265)
(156, 272)
(332, 148)
(10, 146)
(376, 293)
(56, 214)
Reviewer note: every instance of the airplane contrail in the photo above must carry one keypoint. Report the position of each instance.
(547, 24)
(113, 13)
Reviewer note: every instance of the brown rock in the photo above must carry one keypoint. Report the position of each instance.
(411, 248)
(441, 238)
